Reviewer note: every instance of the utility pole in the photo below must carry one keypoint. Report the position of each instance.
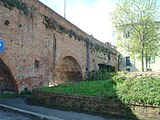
(64, 8)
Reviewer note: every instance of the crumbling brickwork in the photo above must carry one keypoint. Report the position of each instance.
(37, 40)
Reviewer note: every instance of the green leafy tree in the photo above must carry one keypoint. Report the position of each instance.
(139, 18)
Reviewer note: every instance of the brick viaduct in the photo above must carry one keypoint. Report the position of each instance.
(43, 48)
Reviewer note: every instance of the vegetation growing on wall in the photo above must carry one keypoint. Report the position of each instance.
(52, 24)
(10, 4)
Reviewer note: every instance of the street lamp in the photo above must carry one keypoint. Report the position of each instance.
(64, 8)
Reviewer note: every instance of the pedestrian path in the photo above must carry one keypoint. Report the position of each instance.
(18, 104)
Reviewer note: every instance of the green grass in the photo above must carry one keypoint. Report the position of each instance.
(87, 88)
(129, 89)
(13, 94)
(9, 95)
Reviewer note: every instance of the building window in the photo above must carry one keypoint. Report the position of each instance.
(128, 70)
(127, 35)
(128, 63)
(6, 22)
(36, 64)
(153, 59)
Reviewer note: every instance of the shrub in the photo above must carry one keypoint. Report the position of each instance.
(143, 90)
(107, 68)
(122, 76)
(100, 75)
(25, 92)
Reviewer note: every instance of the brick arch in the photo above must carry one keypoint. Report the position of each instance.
(7, 81)
(67, 70)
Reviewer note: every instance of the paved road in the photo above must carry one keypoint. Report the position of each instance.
(10, 115)
(19, 105)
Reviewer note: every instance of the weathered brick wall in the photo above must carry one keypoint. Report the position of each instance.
(33, 51)
(23, 45)
(96, 105)
(81, 103)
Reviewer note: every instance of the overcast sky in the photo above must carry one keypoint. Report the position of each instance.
(92, 16)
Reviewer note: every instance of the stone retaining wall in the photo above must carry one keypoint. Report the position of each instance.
(145, 73)
(95, 105)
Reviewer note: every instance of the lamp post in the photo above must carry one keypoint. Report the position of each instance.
(64, 8)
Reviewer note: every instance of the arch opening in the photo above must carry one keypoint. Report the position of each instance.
(68, 70)
(7, 82)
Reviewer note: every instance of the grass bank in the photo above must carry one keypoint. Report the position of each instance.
(129, 89)
(86, 88)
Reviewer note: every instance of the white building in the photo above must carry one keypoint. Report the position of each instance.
(132, 64)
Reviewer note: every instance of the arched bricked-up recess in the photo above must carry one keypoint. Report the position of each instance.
(7, 82)
(68, 70)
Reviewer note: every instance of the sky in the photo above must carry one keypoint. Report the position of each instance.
(92, 16)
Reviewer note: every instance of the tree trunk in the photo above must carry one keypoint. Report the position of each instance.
(150, 65)
(146, 64)
(142, 52)
(119, 62)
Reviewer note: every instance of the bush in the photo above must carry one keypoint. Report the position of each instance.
(25, 92)
(120, 77)
(143, 90)
(107, 68)
(100, 75)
